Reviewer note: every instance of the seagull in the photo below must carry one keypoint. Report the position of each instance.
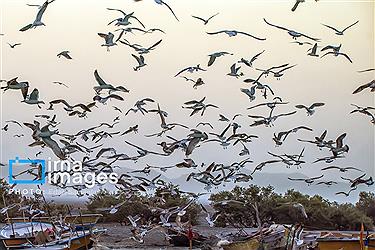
(292, 33)
(104, 85)
(211, 219)
(104, 100)
(281, 136)
(261, 165)
(249, 92)
(205, 21)
(154, 29)
(112, 209)
(302, 43)
(190, 69)
(319, 141)
(216, 55)
(65, 54)
(370, 85)
(68, 107)
(108, 38)
(340, 147)
(232, 33)
(340, 32)
(341, 169)
(346, 193)
(307, 180)
(138, 106)
(38, 20)
(140, 49)
(198, 106)
(161, 2)
(141, 62)
(61, 84)
(314, 50)
(234, 71)
(33, 98)
(338, 54)
(365, 111)
(14, 45)
(249, 63)
(125, 20)
(164, 124)
(310, 110)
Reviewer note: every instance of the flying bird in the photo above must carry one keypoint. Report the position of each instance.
(140, 60)
(216, 55)
(370, 85)
(205, 21)
(38, 19)
(294, 34)
(14, 45)
(232, 33)
(65, 54)
(340, 32)
(311, 109)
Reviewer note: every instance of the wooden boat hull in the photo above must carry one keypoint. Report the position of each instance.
(344, 244)
(77, 220)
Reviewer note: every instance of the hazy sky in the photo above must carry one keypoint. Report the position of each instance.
(73, 25)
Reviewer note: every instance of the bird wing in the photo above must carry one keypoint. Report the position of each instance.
(181, 71)
(199, 18)
(137, 58)
(350, 26)
(318, 177)
(276, 26)
(362, 87)
(247, 34)
(138, 21)
(170, 10)
(211, 60)
(100, 81)
(317, 104)
(217, 32)
(34, 94)
(212, 17)
(346, 56)
(330, 167)
(300, 106)
(339, 140)
(330, 27)
(118, 10)
(116, 97)
(309, 37)
(156, 44)
(41, 11)
(296, 5)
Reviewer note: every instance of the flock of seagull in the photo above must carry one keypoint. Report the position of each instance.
(46, 135)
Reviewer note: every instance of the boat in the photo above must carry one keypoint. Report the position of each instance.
(81, 222)
(275, 237)
(345, 240)
(71, 233)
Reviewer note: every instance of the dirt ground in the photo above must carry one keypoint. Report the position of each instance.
(118, 237)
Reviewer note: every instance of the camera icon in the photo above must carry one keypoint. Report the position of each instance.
(39, 165)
